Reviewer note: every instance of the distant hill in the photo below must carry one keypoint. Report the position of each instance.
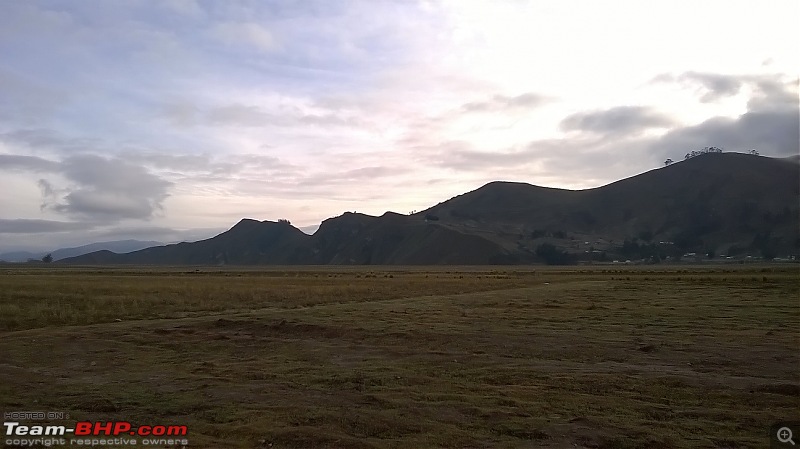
(726, 203)
(119, 246)
(249, 242)
(20, 256)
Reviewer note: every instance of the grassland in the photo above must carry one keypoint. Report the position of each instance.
(407, 358)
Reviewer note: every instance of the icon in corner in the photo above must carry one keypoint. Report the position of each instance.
(783, 434)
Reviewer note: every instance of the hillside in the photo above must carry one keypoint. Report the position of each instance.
(248, 242)
(715, 203)
(714, 200)
(398, 239)
(120, 246)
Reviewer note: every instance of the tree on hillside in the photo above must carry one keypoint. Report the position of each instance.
(706, 150)
(284, 221)
(754, 152)
(668, 161)
(48, 258)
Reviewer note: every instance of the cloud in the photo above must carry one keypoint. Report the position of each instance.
(39, 138)
(356, 174)
(157, 233)
(46, 188)
(771, 125)
(251, 116)
(26, 163)
(29, 226)
(93, 203)
(620, 119)
(186, 163)
(710, 86)
(502, 102)
(239, 115)
(248, 33)
(185, 7)
(772, 94)
(773, 133)
(103, 188)
(145, 163)
(49, 194)
(180, 113)
(111, 188)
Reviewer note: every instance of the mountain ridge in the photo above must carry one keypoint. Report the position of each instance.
(712, 203)
(123, 246)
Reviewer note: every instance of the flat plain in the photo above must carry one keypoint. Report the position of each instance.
(411, 357)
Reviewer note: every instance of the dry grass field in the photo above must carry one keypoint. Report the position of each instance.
(596, 357)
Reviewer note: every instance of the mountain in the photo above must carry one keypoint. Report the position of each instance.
(719, 198)
(399, 240)
(726, 203)
(119, 246)
(249, 242)
(20, 256)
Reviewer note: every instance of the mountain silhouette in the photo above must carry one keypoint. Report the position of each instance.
(713, 203)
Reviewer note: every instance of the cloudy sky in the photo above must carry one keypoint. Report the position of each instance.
(173, 119)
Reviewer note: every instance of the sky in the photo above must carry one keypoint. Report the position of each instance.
(172, 120)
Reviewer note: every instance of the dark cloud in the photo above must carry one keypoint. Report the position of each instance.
(717, 85)
(49, 194)
(46, 188)
(502, 102)
(110, 189)
(772, 94)
(26, 163)
(103, 204)
(713, 85)
(771, 125)
(773, 133)
(28, 226)
(621, 119)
